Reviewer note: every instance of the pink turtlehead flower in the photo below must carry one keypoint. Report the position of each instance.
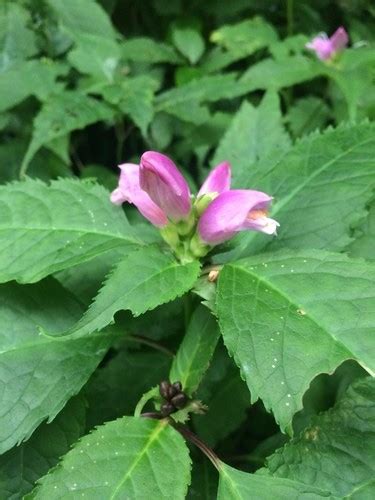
(130, 190)
(234, 211)
(325, 47)
(165, 185)
(217, 181)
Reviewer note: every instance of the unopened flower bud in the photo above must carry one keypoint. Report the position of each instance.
(179, 401)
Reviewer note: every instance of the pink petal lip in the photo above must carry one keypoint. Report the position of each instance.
(325, 47)
(165, 185)
(234, 211)
(130, 191)
(218, 180)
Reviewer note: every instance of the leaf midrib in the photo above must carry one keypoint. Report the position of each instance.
(155, 435)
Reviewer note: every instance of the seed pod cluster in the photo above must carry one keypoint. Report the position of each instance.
(175, 398)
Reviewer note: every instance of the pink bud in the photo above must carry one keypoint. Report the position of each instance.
(129, 190)
(234, 211)
(165, 185)
(218, 180)
(325, 47)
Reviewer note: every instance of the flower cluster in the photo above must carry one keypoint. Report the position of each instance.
(326, 48)
(191, 225)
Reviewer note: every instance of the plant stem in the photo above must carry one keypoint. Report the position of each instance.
(193, 438)
(144, 399)
(151, 343)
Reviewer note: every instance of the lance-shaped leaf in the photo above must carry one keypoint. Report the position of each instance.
(44, 229)
(143, 280)
(38, 374)
(23, 465)
(127, 458)
(237, 485)
(288, 316)
(337, 451)
(320, 188)
(196, 350)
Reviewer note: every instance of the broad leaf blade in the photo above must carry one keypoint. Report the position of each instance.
(44, 229)
(22, 466)
(337, 451)
(300, 314)
(196, 350)
(253, 134)
(237, 485)
(364, 243)
(129, 458)
(143, 280)
(37, 374)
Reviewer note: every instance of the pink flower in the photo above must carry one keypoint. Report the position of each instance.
(234, 211)
(325, 47)
(129, 190)
(217, 181)
(165, 185)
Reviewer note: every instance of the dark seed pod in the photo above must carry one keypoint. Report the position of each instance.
(172, 391)
(164, 388)
(179, 401)
(166, 409)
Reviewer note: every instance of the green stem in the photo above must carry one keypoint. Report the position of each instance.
(193, 438)
(152, 393)
(151, 343)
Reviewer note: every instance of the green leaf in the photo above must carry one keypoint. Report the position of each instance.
(283, 333)
(307, 115)
(277, 74)
(37, 77)
(17, 41)
(321, 187)
(337, 450)
(246, 37)
(67, 223)
(142, 281)
(364, 244)
(237, 485)
(60, 115)
(37, 374)
(95, 55)
(195, 351)
(134, 97)
(203, 481)
(83, 17)
(189, 42)
(253, 134)
(142, 49)
(116, 388)
(130, 458)
(22, 466)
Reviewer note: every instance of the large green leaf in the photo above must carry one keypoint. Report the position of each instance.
(300, 314)
(337, 451)
(189, 41)
(22, 466)
(142, 49)
(44, 229)
(253, 134)
(17, 41)
(60, 115)
(196, 350)
(83, 17)
(36, 77)
(142, 281)
(237, 485)
(321, 187)
(39, 374)
(131, 458)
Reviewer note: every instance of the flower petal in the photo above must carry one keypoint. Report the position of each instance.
(339, 39)
(129, 190)
(228, 214)
(218, 180)
(322, 46)
(165, 185)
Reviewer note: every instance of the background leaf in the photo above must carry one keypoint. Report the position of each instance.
(37, 374)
